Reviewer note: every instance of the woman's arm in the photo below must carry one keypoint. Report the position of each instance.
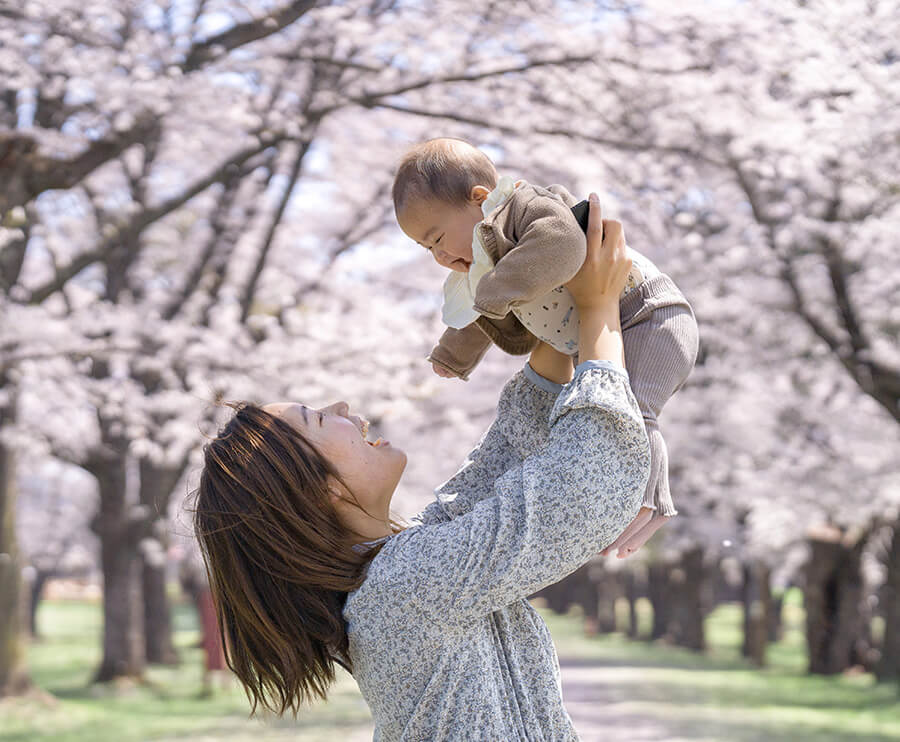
(560, 506)
(548, 516)
(521, 427)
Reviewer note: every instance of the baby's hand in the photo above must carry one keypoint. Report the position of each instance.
(441, 371)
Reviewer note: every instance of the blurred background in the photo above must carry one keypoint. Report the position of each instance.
(195, 200)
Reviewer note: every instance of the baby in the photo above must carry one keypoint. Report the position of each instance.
(510, 247)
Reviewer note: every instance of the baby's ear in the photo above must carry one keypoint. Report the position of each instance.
(479, 193)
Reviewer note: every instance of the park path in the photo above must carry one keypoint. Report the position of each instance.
(602, 706)
(599, 700)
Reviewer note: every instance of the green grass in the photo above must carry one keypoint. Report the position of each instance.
(168, 707)
(719, 696)
(715, 696)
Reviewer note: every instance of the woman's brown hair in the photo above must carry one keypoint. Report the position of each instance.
(280, 562)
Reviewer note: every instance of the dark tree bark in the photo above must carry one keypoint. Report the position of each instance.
(832, 600)
(120, 527)
(686, 594)
(556, 597)
(157, 483)
(757, 601)
(775, 624)
(14, 678)
(888, 667)
(631, 594)
(12, 253)
(123, 641)
(582, 591)
(29, 172)
(36, 589)
(607, 589)
(578, 588)
(657, 589)
(158, 645)
(842, 328)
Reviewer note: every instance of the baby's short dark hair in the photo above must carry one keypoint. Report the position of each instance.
(445, 169)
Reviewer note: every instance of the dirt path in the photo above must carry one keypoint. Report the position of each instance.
(604, 710)
(601, 706)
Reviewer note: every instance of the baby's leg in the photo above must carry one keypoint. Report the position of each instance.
(660, 352)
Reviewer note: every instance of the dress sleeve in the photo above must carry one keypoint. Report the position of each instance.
(550, 248)
(546, 517)
(520, 428)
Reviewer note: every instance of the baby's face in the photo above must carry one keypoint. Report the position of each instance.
(445, 230)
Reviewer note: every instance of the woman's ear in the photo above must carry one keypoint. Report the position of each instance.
(478, 194)
(334, 491)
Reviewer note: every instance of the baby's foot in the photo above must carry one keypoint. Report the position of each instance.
(638, 539)
(640, 520)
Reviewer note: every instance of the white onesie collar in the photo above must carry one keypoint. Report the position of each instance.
(459, 288)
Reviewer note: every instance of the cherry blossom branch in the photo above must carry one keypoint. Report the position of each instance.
(215, 47)
(250, 288)
(27, 173)
(74, 354)
(143, 219)
(373, 99)
(621, 144)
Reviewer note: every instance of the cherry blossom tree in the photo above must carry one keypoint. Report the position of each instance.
(155, 155)
(195, 201)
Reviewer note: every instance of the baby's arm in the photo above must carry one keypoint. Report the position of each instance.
(459, 351)
(549, 251)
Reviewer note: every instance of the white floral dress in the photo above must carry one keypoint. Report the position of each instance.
(443, 642)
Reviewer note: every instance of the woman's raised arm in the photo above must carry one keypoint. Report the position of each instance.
(557, 509)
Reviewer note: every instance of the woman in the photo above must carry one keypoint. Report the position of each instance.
(308, 568)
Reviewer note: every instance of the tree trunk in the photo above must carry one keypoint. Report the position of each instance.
(582, 591)
(14, 677)
(36, 588)
(888, 667)
(757, 602)
(156, 488)
(123, 641)
(776, 618)
(159, 647)
(832, 600)
(631, 595)
(686, 594)
(606, 590)
(657, 589)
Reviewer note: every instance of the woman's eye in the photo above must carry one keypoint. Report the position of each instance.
(438, 240)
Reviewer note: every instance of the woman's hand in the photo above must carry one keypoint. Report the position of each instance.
(602, 276)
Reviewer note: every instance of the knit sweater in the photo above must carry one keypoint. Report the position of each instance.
(443, 642)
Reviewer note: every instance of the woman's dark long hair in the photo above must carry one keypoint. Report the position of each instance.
(280, 562)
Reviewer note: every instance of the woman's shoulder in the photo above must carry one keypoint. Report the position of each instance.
(391, 597)
(387, 570)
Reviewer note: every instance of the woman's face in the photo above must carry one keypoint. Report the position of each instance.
(371, 472)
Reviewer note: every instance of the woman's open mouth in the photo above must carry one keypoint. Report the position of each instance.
(375, 444)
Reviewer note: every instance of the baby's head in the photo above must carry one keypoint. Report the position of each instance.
(438, 190)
